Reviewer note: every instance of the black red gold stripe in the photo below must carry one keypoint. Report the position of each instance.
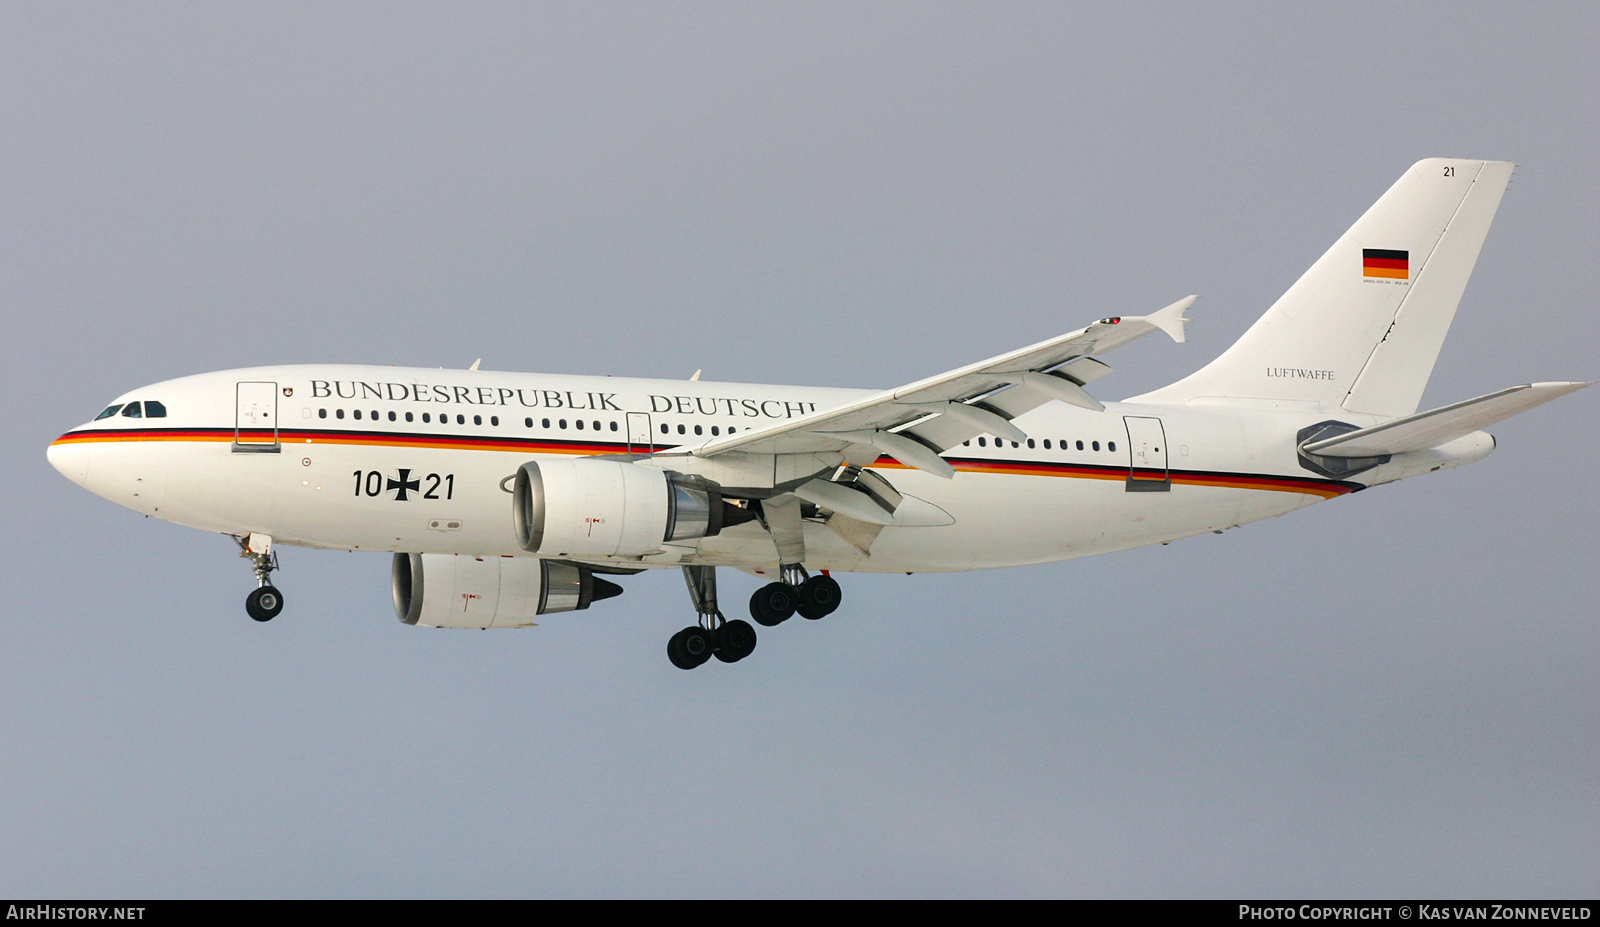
(1325, 488)
(350, 437)
(1382, 262)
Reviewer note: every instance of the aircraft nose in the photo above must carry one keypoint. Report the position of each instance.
(71, 459)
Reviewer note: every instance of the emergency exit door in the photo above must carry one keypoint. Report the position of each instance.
(255, 426)
(1147, 455)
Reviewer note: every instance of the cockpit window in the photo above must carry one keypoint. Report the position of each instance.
(110, 411)
(153, 409)
(131, 411)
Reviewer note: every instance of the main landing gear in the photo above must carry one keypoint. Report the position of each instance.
(812, 596)
(265, 602)
(713, 636)
(732, 641)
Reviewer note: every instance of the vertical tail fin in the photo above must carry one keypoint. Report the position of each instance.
(1362, 328)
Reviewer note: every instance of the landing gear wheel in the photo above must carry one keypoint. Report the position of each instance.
(735, 641)
(818, 597)
(689, 648)
(773, 604)
(264, 603)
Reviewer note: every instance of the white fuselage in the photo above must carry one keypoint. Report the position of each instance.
(419, 461)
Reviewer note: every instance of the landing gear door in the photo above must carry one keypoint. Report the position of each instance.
(640, 441)
(1147, 450)
(255, 427)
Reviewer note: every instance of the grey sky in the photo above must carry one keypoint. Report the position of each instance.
(1393, 693)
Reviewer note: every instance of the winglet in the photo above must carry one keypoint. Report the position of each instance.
(1170, 319)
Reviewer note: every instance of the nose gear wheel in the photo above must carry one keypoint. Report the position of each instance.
(265, 602)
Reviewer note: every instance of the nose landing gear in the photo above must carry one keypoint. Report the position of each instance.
(265, 602)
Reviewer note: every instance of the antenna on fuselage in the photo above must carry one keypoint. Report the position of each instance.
(475, 364)
(696, 377)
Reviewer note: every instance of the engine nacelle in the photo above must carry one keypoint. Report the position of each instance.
(585, 507)
(459, 591)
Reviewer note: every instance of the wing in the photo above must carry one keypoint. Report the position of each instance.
(914, 423)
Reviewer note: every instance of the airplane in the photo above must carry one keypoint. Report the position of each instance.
(506, 496)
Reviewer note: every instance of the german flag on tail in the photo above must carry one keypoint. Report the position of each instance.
(1377, 262)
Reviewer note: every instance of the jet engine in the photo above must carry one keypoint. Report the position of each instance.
(460, 591)
(587, 507)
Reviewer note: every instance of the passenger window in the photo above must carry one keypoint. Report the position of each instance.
(477, 420)
(680, 429)
(132, 411)
(1097, 445)
(578, 424)
(1080, 445)
(544, 423)
(1030, 442)
(357, 414)
(153, 409)
(697, 429)
(408, 416)
(528, 422)
(714, 431)
(562, 423)
(494, 419)
(983, 442)
(110, 411)
(613, 426)
(374, 414)
(1047, 444)
(663, 427)
(322, 413)
(426, 418)
(597, 426)
(338, 413)
(1112, 445)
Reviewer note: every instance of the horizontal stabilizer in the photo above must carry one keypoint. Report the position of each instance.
(1426, 430)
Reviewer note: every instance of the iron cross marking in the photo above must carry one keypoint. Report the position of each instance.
(404, 483)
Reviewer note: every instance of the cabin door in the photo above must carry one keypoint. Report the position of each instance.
(255, 427)
(1147, 455)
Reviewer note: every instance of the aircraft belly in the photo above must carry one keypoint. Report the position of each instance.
(1079, 519)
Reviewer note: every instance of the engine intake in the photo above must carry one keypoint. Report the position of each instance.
(460, 591)
(586, 507)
